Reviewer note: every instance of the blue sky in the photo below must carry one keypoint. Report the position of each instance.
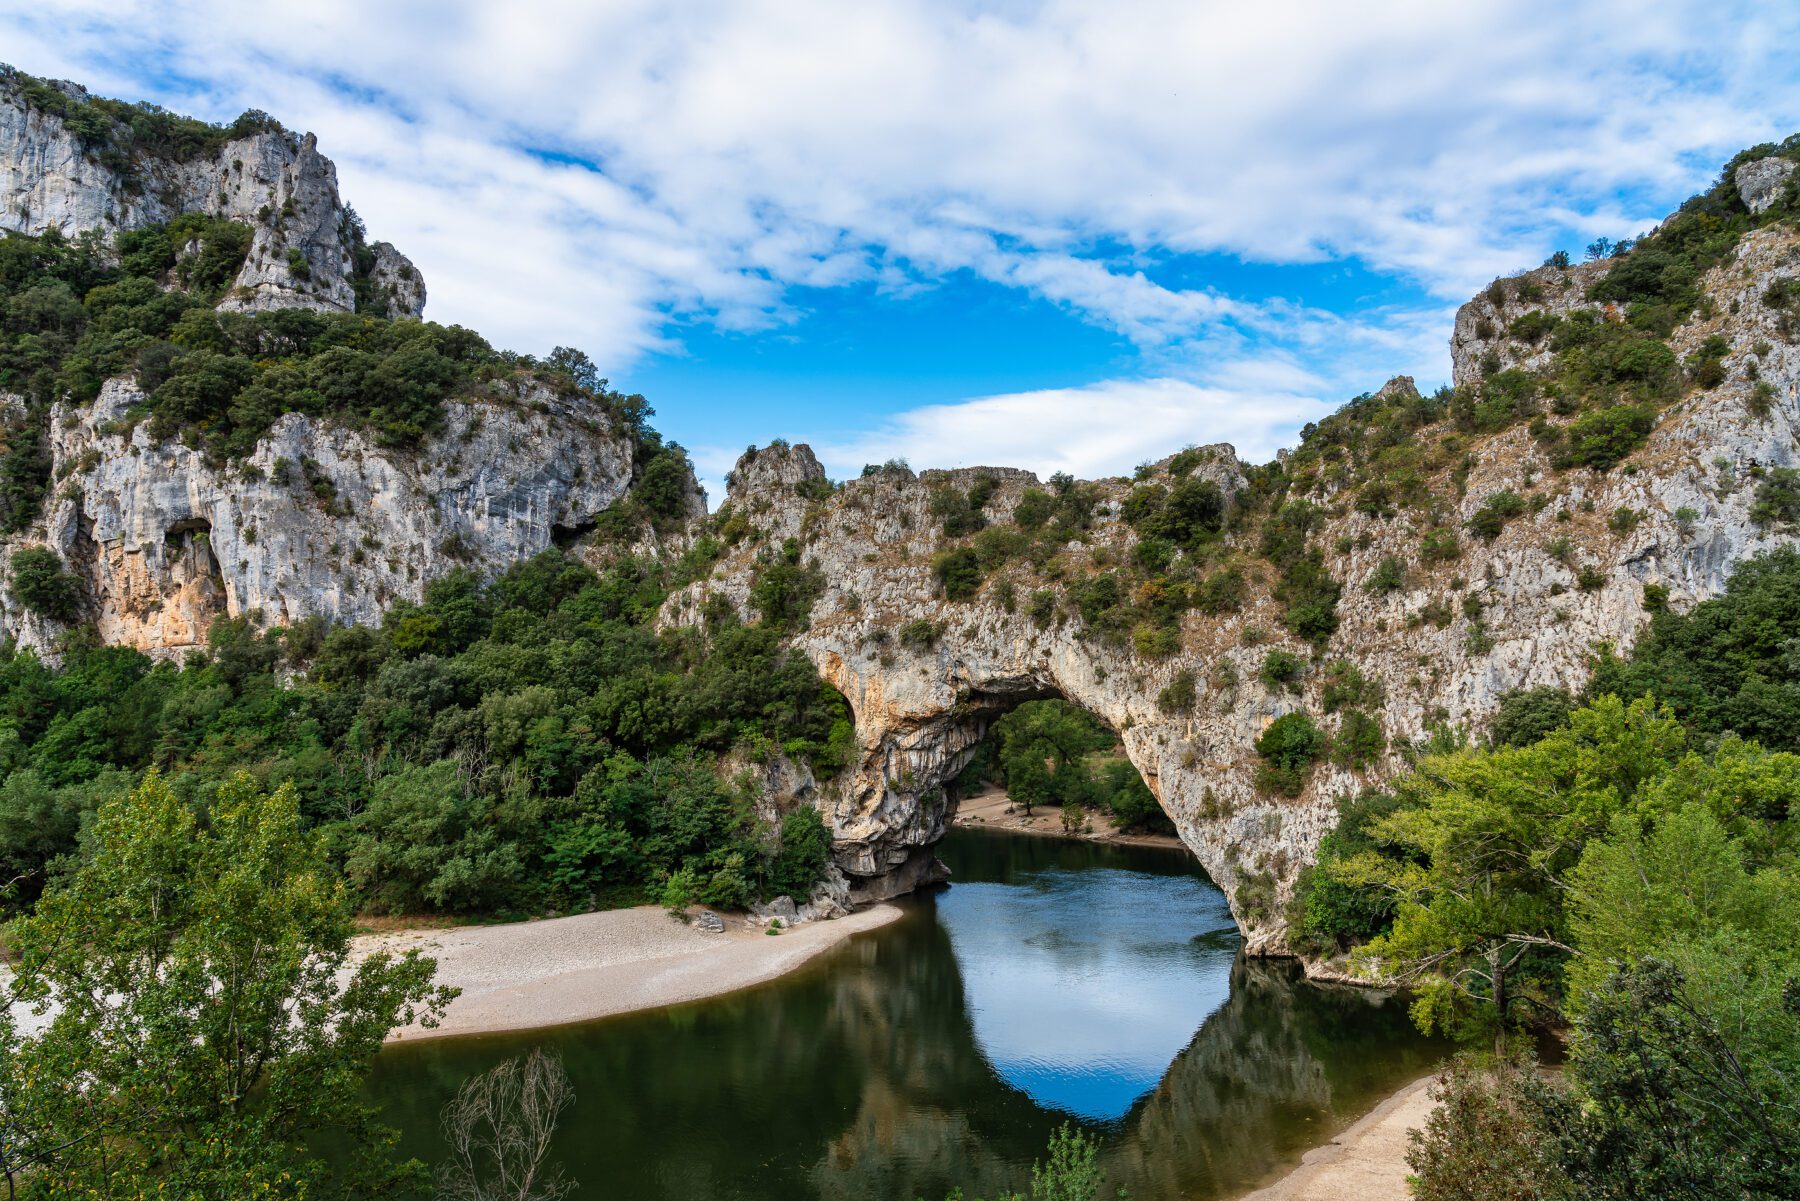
(1046, 233)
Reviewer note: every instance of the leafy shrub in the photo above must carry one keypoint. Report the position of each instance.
(1281, 670)
(1220, 592)
(1034, 509)
(920, 634)
(1440, 545)
(1487, 1139)
(1288, 748)
(40, 583)
(1602, 438)
(1180, 695)
(1389, 576)
(1311, 596)
(1359, 740)
(783, 590)
(1345, 686)
(1525, 715)
(958, 572)
(1777, 499)
(804, 856)
(1498, 509)
(1333, 914)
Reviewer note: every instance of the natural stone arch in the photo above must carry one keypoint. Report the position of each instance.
(921, 705)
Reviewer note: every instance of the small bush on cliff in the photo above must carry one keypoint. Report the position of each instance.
(40, 583)
(1488, 520)
(1288, 749)
(1281, 670)
(784, 590)
(958, 572)
(1777, 500)
(1180, 695)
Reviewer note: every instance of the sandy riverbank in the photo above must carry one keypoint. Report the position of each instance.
(527, 975)
(1367, 1162)
(994, 810)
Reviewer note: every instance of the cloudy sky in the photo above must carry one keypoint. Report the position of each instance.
(1059, 235)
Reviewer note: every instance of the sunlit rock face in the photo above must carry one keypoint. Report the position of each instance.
(318, 521)
(926, 675)
(302, 253)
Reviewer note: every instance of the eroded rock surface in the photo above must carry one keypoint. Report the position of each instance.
(318, 521)
(304, 238)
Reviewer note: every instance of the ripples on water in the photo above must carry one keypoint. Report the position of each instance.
(1054, 979)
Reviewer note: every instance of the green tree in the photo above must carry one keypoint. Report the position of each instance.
(1042, 747)
(42, 586)
(207, 1026)
(1492, 839)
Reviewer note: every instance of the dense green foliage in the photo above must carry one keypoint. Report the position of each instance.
(1728, 664)
(524, 744)
(1329, 914)
(42, 585)
(1288, 749)
(1627, 869)
(1054, 753)
(211, 1024)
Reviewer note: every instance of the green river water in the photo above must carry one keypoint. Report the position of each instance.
(1053, 981)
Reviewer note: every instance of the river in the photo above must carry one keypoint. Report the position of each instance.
(1053, 981)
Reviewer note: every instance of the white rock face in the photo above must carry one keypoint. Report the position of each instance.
(318, 521)
(1760, 182)
(920, 709)
(302, 251)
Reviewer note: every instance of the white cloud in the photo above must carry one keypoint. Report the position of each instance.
(567, 171)
(1100, 430)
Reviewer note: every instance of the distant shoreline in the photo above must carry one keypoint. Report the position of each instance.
(557, 971)
(994, 810)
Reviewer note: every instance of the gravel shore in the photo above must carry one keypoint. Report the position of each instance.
(570, 969)
(1367, 1162)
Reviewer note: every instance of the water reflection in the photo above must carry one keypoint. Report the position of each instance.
(890, 1069)
(1082, 984)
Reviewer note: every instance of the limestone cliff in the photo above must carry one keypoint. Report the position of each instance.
(78, 170)
(1439, 645)
(319, 521)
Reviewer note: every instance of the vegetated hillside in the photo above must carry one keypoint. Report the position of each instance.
(1269, 641)
(193, 460)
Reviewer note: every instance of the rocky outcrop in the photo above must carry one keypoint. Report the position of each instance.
(926, 676)
(318, 521)
(305, 240)
(1760, 182)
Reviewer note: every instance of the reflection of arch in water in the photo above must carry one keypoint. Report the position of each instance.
(1269, 1075)
(858, 1077)
(1083, 985)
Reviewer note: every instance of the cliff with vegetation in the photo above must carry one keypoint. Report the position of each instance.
(77, 163)
(229, 440)
(1271, 641)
